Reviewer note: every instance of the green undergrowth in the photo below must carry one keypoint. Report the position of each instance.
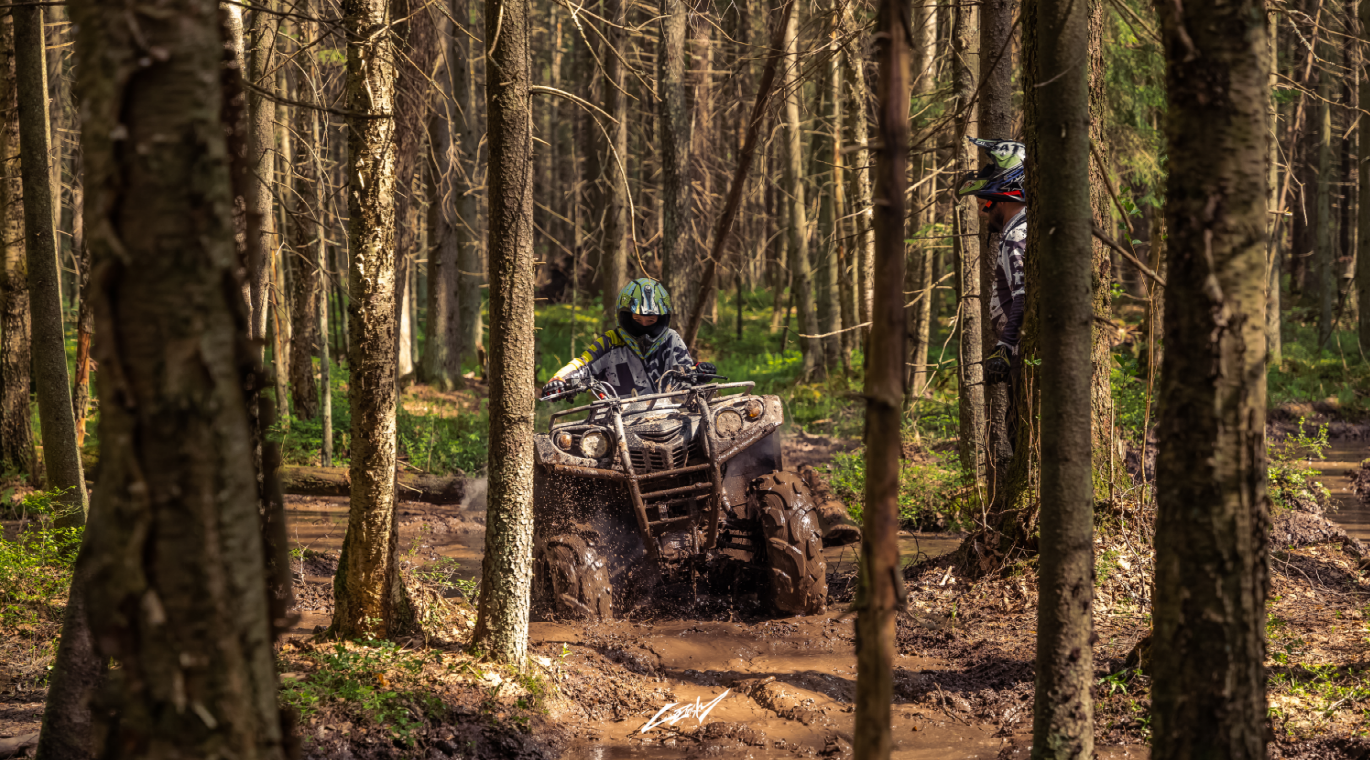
(934, 492)
(1337, 373)
(36, 563)
(1290, 470)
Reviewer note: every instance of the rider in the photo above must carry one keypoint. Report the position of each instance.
(1002, 199)
(633, 357)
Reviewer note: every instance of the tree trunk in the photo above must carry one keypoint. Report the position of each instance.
(61, 455)
(441, 352)
(858, 176)
(679, 259)
(1103, 441)
(261, 158)
(506, 576)
(1363, 207)
(335, 481)
(173, 551)
(1213, 517)
(85, 319)
(416, 48)
(823, 168)
(882, 587)
(1324, 283)
(919, 277)
(801, 266)
(369, 595)
(996, 122)
(1063, 722)
(971, 395)
(1273, 342)
(16, 432)
(306, 228)
(613, 265)
(470, 262)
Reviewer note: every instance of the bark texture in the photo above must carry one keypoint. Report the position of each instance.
(470, 255)
(16, 433)
(801, 266)
(61, 456)
(1063, 716)
(507, 573)
(1213, 515)
(306, 230)
(370, 596)
(173, 551)
(261, 158)
(1363, 207)
(679, 261)
(965, 231)
(882, 588)
(613, 263)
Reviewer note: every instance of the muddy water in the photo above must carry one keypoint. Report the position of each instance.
(1343, 459)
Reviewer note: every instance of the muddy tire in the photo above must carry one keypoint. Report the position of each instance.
(794, 543)
(570, 580)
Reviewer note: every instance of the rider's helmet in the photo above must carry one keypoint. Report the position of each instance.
(1003, 178)
(644, 296)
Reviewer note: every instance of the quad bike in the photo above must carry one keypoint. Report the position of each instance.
(655, 497)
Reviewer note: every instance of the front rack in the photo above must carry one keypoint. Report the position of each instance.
(706, 391)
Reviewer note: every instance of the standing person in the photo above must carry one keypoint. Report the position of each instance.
(633, 357)
(999, 192)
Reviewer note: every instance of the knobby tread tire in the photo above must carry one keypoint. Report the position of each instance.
(571, 580)
(794, 543)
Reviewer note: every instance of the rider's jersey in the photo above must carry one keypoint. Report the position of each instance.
(613, 361)
(1007, 300)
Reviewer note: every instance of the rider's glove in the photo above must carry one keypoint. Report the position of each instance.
(997, 365)
(706, 368)
(553, 387)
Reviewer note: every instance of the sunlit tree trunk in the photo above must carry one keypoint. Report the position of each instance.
(613, 268)
(965, 231)
(679, 259)
(173, 551)
(416, 44)
(824, 169)
(996, 122)
(922, 257)
(1273, 318)
(882, 589)
(261, 160)
(1063, 719)
(306, 229)
(470, 259)
(797, 230)
(1363, 207)
(854, 113)
(370, 598)
(1213, 512)
(506, 575)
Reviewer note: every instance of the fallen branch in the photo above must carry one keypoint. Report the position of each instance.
(334, 481)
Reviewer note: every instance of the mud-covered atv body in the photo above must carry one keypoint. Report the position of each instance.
(658, 495)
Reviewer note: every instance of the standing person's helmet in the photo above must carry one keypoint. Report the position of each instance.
(1001, 180)
(644, 296)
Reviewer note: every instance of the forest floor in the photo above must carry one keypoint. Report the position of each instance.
(784, 686)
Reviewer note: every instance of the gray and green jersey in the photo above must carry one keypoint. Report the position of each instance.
(612, 360)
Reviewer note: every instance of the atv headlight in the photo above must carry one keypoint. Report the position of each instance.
(754, 409)
(564, 441)
(594, 444)
(728, 423)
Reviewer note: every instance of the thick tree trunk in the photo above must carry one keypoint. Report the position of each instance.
(416, 45)
(882, 589)
(1363, 207)
(1274, 344)
(369, 594)
(801, 267)
(16, 432)
(61, 455)
(506, 577)
(996, 122)
(613, 265)
(1213, 517)
(1103, 441)
(679, 259)
(1063, 720)
(965, 229)
(173, 551)
(441, 354)
(306, 228)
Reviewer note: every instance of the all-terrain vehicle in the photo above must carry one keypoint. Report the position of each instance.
(666, 496)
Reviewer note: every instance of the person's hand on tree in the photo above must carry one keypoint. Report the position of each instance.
(997, 365)
(553, 387)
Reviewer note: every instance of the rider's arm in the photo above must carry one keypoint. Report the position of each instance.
(1011, 252)
(579, 367)
(679, 353)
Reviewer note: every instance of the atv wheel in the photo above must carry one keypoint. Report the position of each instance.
(570, 580)
(794, 543)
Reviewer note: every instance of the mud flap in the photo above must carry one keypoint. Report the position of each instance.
(794, 543)
(571, 580)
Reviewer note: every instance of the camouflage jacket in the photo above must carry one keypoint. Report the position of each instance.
(612, 360)
(1008, 300)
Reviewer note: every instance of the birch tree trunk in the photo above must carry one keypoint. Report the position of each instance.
(61, 456)
(919, 277)
(16, 432)
(261, 160)
(858, 175)
(173, 551)
(370, 598)
(1213, 512)
(1273, 318)
(507, 573)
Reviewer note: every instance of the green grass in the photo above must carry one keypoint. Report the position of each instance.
(35, 573)
(934, 493)
(1305, 374)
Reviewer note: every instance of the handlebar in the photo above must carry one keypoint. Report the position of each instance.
(603, 391)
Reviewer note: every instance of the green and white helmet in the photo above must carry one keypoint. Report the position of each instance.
(644, 296)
